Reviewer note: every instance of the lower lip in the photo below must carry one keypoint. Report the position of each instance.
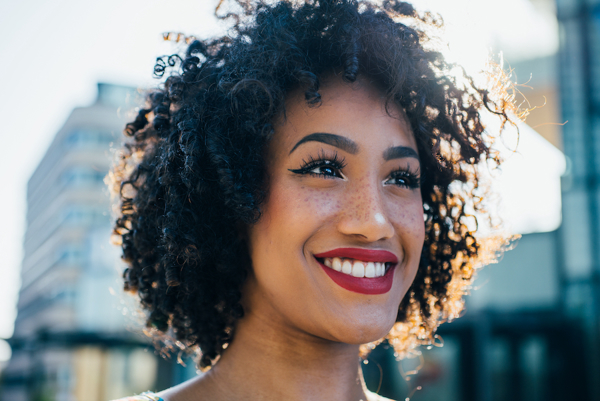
(362, 285)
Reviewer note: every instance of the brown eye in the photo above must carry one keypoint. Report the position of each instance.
(326, 170)
(323, 168)
(404, 179)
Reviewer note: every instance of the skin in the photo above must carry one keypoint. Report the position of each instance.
(300, 334)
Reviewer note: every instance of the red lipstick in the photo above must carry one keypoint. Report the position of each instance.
(361, 285)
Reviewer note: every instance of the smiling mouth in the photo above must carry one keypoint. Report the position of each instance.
(360, 270)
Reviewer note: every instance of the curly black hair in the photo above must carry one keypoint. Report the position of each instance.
(192, 174)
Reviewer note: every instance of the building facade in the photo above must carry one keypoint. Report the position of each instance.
(579, 79)
(71, 340)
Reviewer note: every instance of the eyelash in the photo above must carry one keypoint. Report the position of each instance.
(412, 178)
(322, 160)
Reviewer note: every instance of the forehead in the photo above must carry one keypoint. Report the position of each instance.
(354, 110)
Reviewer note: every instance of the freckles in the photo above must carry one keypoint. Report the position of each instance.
(408, 218)
(318, 202)
(309, 193)
(338, 206)
(325, 200)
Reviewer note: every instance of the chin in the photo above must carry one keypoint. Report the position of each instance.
(364, 331)
(368, 335)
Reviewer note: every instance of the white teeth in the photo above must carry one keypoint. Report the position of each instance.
(358, 270)
(347, 267)
(370, 270)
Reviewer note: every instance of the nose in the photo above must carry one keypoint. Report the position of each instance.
(364, 215)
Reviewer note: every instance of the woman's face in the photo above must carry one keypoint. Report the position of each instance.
(340, 237)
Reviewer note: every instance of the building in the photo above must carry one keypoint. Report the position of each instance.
(71, 338)
(580, 233)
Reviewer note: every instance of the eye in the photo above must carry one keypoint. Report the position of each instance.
(323, 166)
(404, 178)
(326, 169)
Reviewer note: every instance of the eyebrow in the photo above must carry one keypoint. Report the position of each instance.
(400, 152)
(348, 145)
(338, 141)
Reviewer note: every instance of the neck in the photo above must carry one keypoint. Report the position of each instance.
(270, 362)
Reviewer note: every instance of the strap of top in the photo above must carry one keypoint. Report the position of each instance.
(151, 396)
(147, 396)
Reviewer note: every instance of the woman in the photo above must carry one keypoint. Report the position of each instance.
(292, 196)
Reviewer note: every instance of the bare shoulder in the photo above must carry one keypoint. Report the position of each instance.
(189, 390)
(186, 391)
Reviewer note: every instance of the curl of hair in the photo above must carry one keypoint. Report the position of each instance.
(192, 172)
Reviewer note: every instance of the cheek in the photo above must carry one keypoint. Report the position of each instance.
(313, 203)
(407, 216)
(292, 213)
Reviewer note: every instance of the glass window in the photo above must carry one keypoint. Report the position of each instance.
(88, 138)
(82, 176)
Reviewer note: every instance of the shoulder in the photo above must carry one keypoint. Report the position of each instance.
(147, 396)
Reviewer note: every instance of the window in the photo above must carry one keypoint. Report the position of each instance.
(88, 138)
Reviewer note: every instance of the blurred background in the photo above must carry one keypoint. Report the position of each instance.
(70, 72)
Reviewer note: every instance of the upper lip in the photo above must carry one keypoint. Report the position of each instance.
(366, 255)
